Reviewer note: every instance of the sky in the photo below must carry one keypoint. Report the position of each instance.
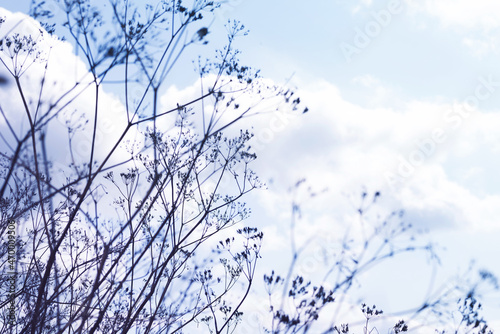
(403, 98)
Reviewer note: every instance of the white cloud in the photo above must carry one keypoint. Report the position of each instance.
(375, 92)
(65, 73)
(342, 146)
(483, 14)
(481, 47)
(476, 21)
(366, 80)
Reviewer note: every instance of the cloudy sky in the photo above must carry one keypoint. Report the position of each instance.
(403, 98)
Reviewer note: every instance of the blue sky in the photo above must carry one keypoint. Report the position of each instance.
(417, 44)
(418, 102)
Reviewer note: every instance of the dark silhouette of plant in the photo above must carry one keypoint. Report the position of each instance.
(298, 308)
(124, 237)
(469, 309)
(135, 232)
